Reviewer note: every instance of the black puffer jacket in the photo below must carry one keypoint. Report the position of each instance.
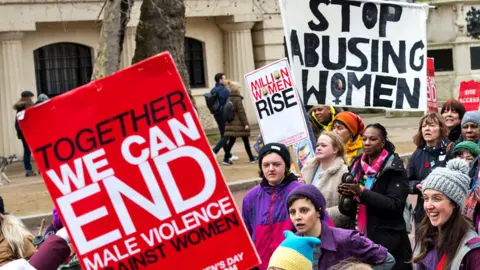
(420, 165)
(19, 106)
(385, 203)
(455, 133)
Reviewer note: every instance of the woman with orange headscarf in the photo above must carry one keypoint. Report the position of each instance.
(349, 127)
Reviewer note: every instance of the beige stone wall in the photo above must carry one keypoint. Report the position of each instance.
(267, 37)
(213, 56)
(446, 29)
(238, 36)
(84, 33)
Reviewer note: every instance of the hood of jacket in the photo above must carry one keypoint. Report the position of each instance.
(312, 117)
(235, 93)
(308, 172)
(20, 105)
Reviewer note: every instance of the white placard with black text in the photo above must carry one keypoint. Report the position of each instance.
(277, 103)
(358, 53)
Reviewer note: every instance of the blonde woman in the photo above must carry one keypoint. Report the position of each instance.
(15, 239)
(238, 127)
(325, 171)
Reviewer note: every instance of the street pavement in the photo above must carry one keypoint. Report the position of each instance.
(400, 131)
(25, 196)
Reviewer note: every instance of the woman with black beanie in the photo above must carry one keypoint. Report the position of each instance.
(263, 208)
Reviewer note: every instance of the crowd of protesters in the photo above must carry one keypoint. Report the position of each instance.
(347, 209)
(353, 197)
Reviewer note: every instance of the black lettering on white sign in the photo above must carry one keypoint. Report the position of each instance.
(341, 50)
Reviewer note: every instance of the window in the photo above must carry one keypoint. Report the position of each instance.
(475, 57)
(61, 67)
(194, 62)
(443, 59)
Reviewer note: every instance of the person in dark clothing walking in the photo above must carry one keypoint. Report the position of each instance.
(433, 151)
(238, 127)
(223, 94)
(41, 98)
(24, 103)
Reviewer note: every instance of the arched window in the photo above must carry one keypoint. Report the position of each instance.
(194, 62)
(61, 67)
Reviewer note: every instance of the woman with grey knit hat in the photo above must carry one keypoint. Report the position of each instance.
(445, 239)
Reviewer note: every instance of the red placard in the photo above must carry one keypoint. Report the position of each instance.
(131, 172)
(469, 95)
(432, 102)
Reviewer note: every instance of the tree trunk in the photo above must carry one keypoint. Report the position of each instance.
(162, 28)
(116, 17)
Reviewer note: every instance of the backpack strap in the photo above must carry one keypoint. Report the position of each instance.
(474, 245)
(464, 249)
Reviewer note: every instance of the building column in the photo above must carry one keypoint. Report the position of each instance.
(128, 47)
(238, 58)
(268, 43)
(11, 70)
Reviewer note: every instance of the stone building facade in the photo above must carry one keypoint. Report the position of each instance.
(50, 46)
(457, 57)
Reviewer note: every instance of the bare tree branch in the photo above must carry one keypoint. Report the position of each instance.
(116, 17)
(162, 28)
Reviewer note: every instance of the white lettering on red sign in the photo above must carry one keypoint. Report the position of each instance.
(118, 191)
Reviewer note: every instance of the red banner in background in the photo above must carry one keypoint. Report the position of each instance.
(432, 102)
(469, 95)
(131, 172)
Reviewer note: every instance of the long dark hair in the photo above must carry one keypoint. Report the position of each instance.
(455, 106)
(389, 146)
(446, 241)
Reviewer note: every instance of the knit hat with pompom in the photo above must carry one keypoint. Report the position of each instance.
(453, 181)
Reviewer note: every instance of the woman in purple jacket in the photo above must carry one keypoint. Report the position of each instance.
(263, 208)
(445, 239)
(306, 206)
